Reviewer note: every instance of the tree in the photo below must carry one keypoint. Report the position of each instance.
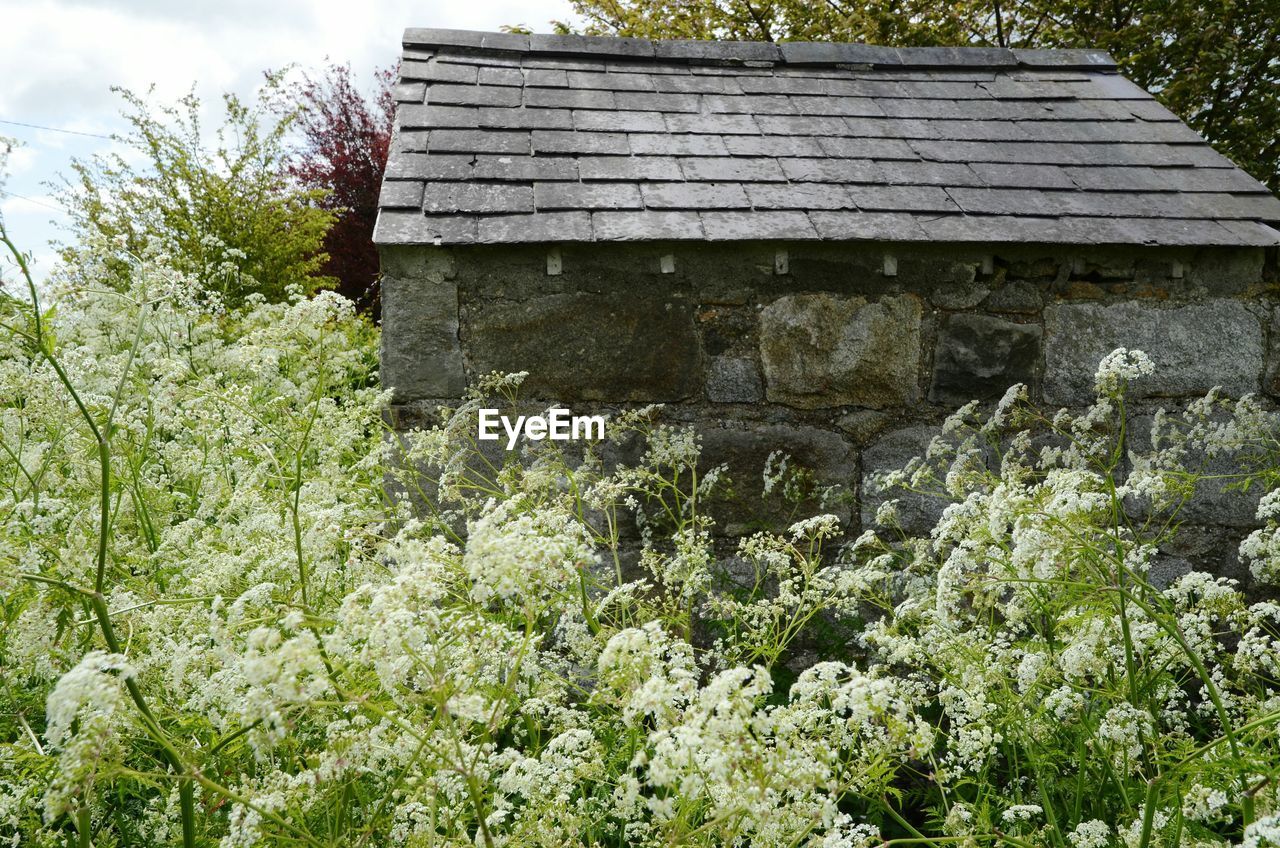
(1215, 64)
(341, 154)
(226, 215)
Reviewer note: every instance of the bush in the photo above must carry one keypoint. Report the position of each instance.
(220, 626)
(228, 218)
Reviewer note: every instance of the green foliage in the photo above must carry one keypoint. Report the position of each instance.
(223, 210)
(1216, 65)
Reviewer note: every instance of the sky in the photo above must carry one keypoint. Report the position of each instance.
(59, 59)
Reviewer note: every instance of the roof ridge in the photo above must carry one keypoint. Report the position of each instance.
(799, 53)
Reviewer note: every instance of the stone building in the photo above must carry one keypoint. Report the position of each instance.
(820, 248)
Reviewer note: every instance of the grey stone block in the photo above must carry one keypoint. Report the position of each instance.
(917, 512)
(821, 350)
(811, 53)
(500, 76)
(745, 448)
(978, 357)
(604, 81)
(546, 78)
(418, 116)
(734, 380)
(437, 71)
(590, 346)
(586, 45)
(421, 355)
(1194, 347)
(696, 84)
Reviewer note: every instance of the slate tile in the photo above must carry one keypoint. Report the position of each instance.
(408, 141)
(542, 61)
(501, 76)
(832, 170)
(677, 145)
(970, 130)
(880, 198)
(423, 166)
(473, 95)
(1149, 110)
(759, 104)
(717, 51)
(480, 198)
(610, 82)
(1004, 175)
(1007, 201)
(402, 227)
(478, 141)
(525, 168)
(568, 98)
(724, 170)
(697, 84)
(400, 194)
(865, 226)
(572, 195)
(646, 102)
(802, 125)
(521, 118)
(1092, 59)
(851, 106)
(782, 85)
(546, 78)
(538, 227)
(628, 168)
(1110, 87)
(867, 148)
(589, 45)
(756, 225)
(931, 90)
(810, 53)
(717, 124)
(648, 225)
(409, 92)
(599, 119)
(928, 173)
(436, 71)
(772, 145)
(984, 57)
(694, 196)
(568, 141)
(414, 115)
(800, 196)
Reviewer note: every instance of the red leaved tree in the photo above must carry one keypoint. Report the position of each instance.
(342, 148)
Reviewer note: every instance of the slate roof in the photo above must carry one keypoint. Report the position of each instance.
(505, 138)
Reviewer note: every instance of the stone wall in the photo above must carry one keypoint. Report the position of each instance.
(846, 356)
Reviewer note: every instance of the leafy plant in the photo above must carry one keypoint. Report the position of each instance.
(225, 213)
(235, 610)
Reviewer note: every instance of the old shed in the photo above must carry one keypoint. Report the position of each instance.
(822, 248)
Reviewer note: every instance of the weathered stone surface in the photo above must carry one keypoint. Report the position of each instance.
(745, 447)
(862, 425)
(1018, 296)
(421, 356)
(978, 357)
(1217, 499)
(635, 346)
(734, 380)
(822, 350)
(1194, 347)
(917, 513)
